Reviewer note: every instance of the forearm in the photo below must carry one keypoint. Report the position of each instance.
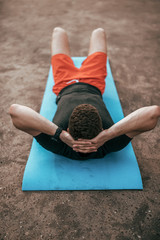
(42, 124)
(26, 119)
(141, 120)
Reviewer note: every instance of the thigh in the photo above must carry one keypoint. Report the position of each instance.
(64, 71)
(60, 43)
(94, 71)
(98, 41)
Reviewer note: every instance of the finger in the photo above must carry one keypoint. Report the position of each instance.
(93, 141)
(82, 144)
(83, 140)
(84, 149)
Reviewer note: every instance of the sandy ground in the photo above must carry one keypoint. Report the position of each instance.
(133, 48)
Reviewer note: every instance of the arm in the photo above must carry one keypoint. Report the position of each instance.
(31, 122)
(139, 121)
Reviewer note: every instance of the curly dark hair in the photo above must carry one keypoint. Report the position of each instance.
(85, 122)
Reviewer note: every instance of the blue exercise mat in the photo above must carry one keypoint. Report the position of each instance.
(47, 171)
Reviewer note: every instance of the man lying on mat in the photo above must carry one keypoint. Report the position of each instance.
(82, 127)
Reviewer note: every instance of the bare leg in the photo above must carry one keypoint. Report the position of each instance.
(29, 121)
(98, 41)
(60, 43)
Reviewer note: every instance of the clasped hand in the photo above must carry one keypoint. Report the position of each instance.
(84, 145)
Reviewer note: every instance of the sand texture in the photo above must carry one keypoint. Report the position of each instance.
(132, 29)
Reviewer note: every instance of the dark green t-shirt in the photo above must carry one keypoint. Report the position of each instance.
(67, 100)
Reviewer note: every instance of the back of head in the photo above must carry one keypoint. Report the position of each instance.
(85, 122)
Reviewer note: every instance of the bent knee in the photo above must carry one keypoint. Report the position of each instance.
(154, 115)
(58, 30)
(98, 31)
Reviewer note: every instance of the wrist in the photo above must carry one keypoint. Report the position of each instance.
(63, 135)
(105, 135)
(56, 136)
(109, 134)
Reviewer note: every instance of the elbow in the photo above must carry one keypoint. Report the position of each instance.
(154, 116)
(156, 111)
(14, 110)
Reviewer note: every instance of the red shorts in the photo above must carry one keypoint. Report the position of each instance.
(93, 71)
